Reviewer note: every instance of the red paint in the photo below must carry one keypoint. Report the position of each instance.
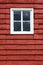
(20, 49)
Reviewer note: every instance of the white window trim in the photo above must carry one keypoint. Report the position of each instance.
(32, 21)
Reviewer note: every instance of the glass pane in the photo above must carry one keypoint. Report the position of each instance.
(26, 15)
(17, 26)
(17, 15)
(26, 26)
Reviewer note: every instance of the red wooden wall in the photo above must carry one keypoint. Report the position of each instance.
(21, 49)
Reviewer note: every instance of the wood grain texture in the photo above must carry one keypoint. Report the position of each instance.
(21, 37)
(12, 47)
(21, 1)
(15, 58)
(16, 37)
(21, 41)
(21, 62)
(21, 49)
(21, 52)
(39, 6)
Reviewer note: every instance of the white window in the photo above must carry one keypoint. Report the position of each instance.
(21, 21)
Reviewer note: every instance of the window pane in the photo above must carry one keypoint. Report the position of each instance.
(17, 15)
(26, 15)
(26, 26)
(17, 26)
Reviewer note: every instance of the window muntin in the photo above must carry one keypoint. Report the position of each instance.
(22, 21)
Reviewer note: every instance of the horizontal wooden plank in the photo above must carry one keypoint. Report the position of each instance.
(39, 21)
(36, 36)
(40, 36)
(7, 11)
(2, 16)
(21, 62)
(2, 11)
(24, 41)
(21, 41)
(18, 1)
(21, 57)
(22, 6)
(21, 1)
(2, 5)
(2, 1)
(4, 31)
(38, 1)
(2, 63)
(35, 21)
(39, 11)
(40, 26)
(16, 36)
(4, 21)
(21, 47)
(39, 31)
(4, 26)
(38, 16)
(21, 52)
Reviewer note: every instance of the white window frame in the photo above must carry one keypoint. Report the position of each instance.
(31, 21)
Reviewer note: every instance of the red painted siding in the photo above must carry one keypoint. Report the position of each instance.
(21, 49)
